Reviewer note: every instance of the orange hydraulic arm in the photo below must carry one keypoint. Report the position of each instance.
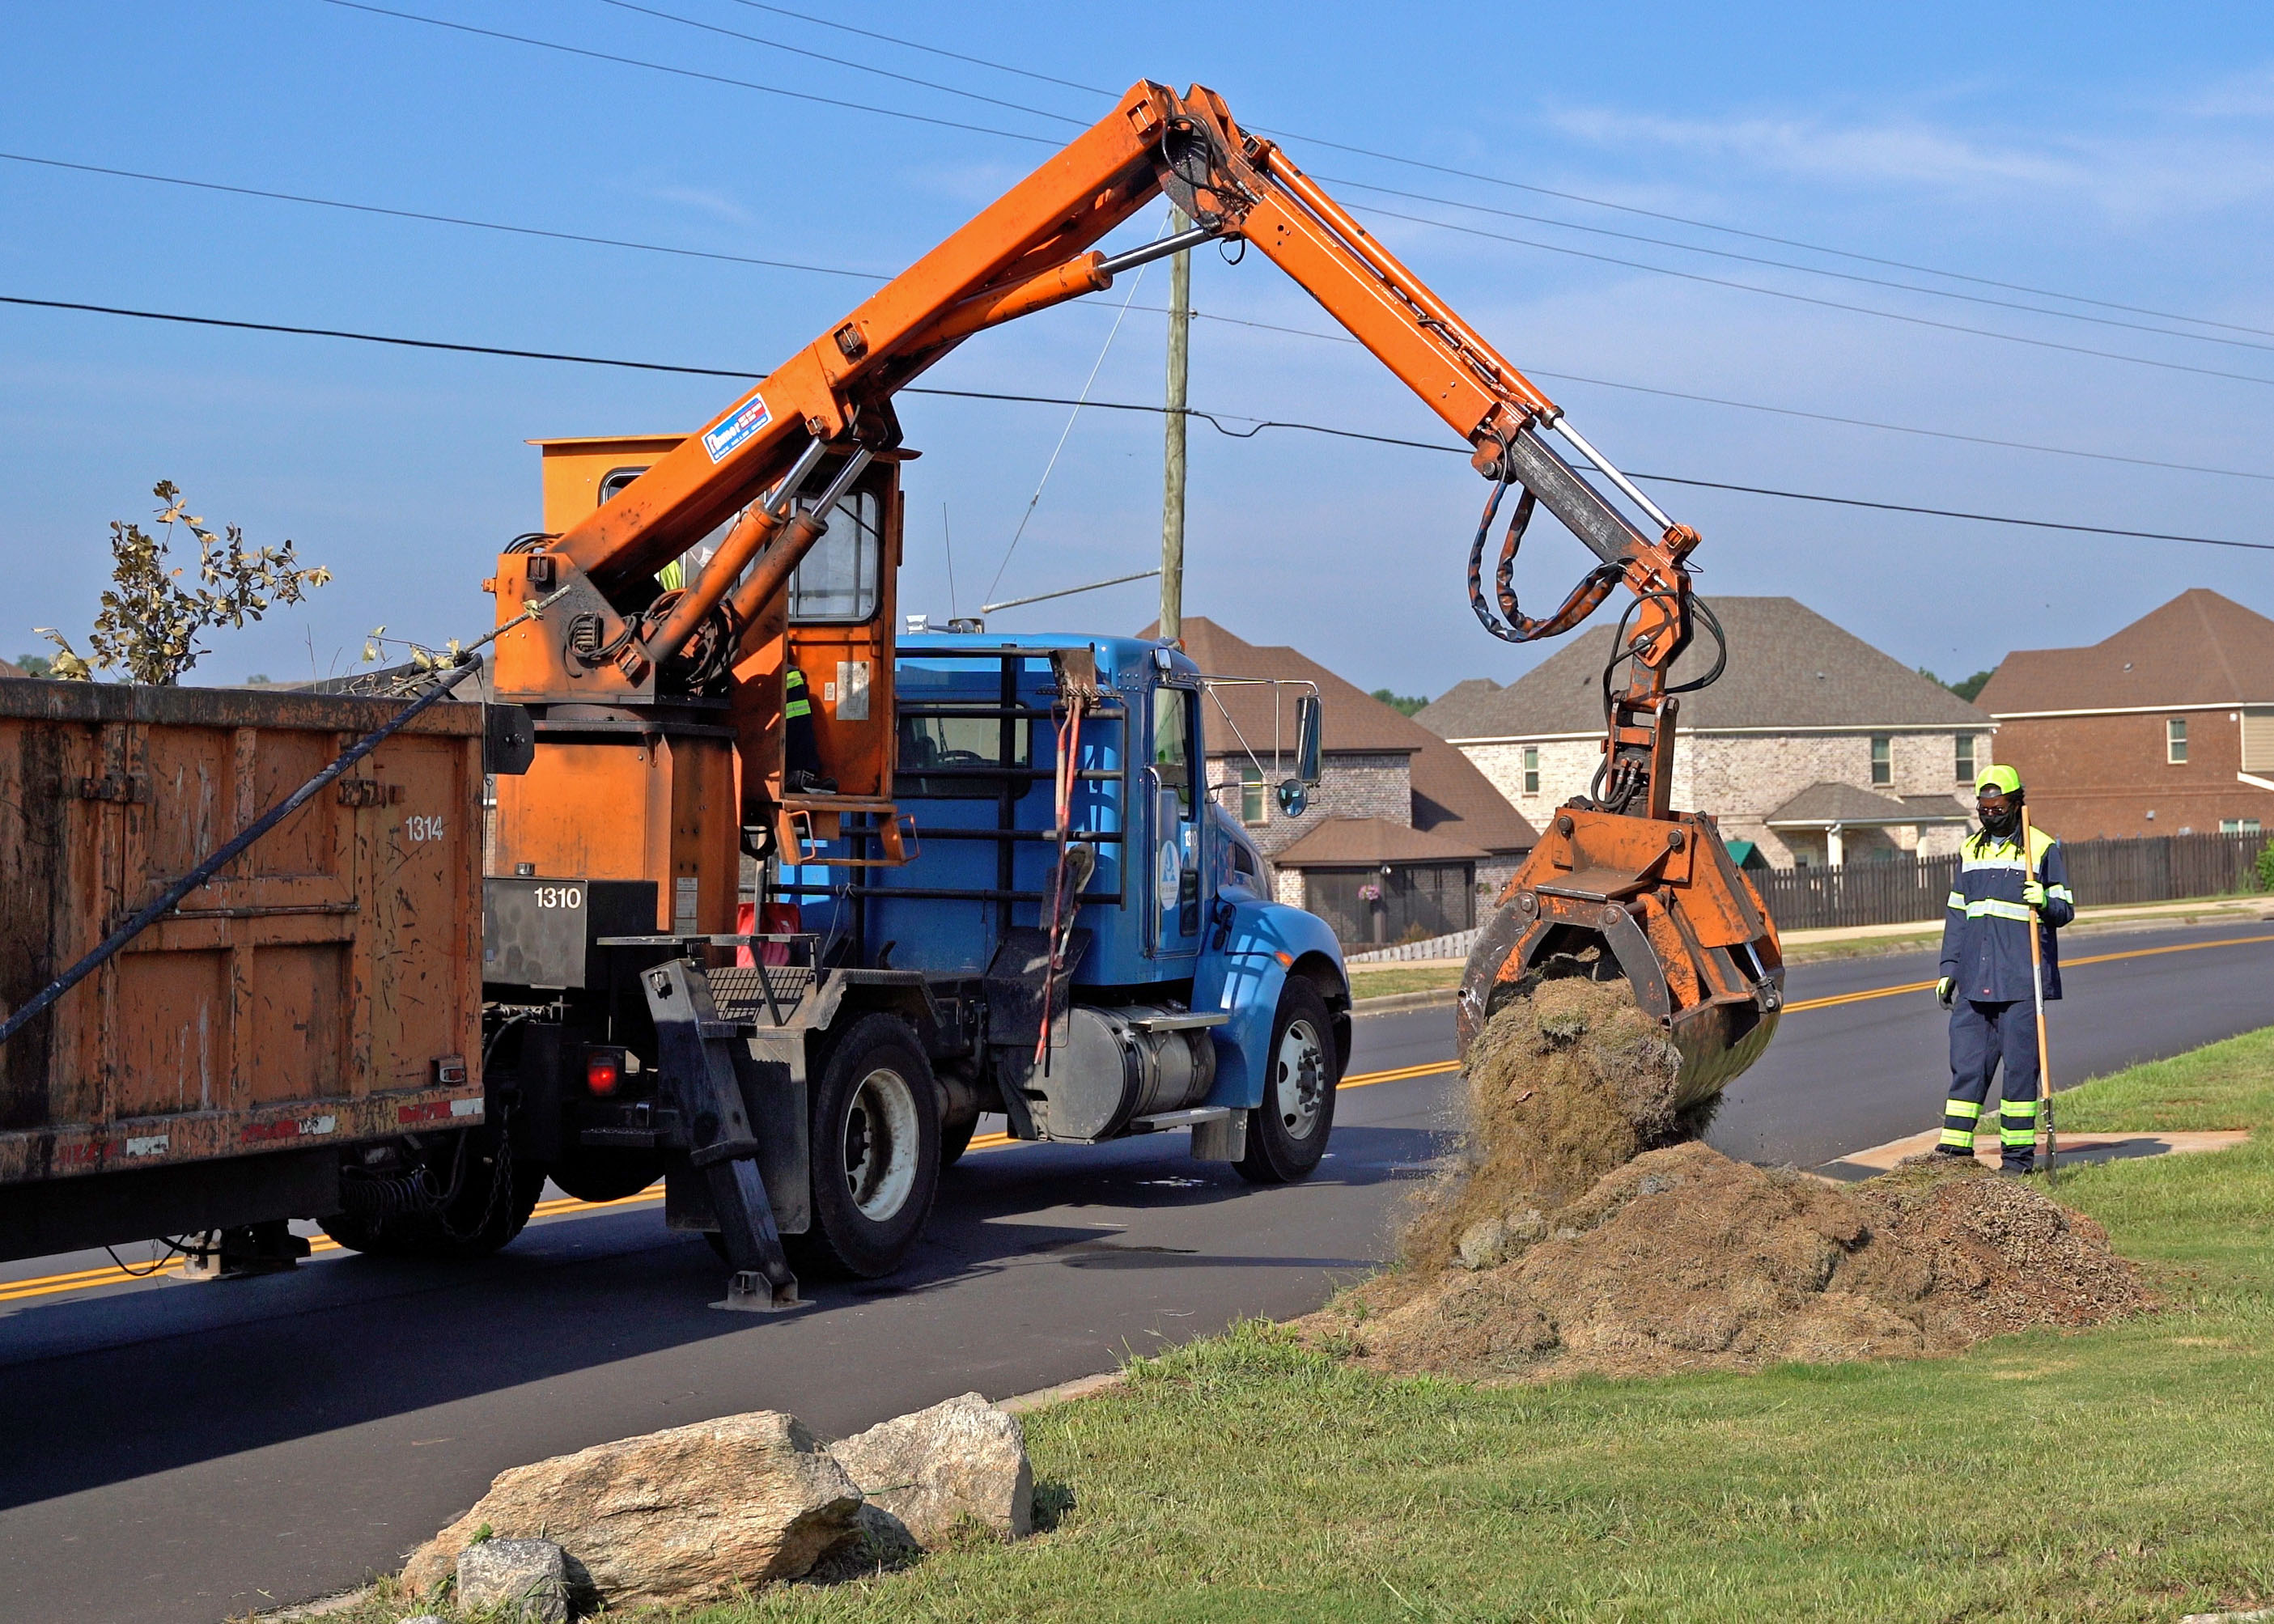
(610, 663)
(1030, 250)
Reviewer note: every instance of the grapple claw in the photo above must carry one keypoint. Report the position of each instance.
(1656, 900)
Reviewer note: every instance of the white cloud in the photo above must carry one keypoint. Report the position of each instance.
(717, 205)
(2162, 164)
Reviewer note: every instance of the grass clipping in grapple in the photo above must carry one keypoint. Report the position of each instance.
(1582, 1231)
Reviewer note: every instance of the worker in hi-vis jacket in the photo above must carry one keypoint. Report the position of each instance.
(2001, 894)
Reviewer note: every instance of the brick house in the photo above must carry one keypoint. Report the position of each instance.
(2166, 727)
(1402, 833)
(1813, 747)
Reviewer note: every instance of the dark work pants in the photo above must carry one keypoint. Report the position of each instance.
(1983, 1038)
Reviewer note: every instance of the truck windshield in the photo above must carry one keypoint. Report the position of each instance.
(1172, 744)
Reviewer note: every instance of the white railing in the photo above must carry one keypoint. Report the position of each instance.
(1454, 946)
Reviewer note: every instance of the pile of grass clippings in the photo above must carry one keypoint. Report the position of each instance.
(1572, 1236)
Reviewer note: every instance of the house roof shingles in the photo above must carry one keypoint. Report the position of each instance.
(1452, 798)
(1788, 667)
(1828, 803)
(2199, 649)
(1360, 842)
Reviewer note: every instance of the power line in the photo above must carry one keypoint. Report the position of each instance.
(934, 50)
(1810, 298)
(1951, 513)
(374, 338)
(1214, 420)
(1810, 270)
(1567, 225)
(659, 67)
(842, 62)
(1925, 321)
(1549, 192)
(1205, 315)
(444, 220)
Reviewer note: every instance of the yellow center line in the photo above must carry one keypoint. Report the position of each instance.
(83, 1280)
(2136, 952)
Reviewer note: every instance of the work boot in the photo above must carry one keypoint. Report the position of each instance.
(2018, 1169)
(1952, 1150)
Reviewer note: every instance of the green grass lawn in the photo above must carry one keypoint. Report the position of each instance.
(2122, 1474)
(2228, 1085)
(1378, 983)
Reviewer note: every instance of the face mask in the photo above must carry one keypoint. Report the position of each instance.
(2002, 826)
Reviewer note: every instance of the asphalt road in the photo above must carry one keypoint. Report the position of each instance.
(178, 1452)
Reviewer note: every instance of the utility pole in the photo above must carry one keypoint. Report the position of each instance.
(1173, 495)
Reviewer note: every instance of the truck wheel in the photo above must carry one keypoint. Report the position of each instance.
(493, 1205)
(876, 1152)
(954, 1139)
(1287, 1132)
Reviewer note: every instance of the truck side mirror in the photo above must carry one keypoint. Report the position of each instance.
(1309, 721)
(1294, 800)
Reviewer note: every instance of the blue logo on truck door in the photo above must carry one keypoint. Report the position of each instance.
(738, 425)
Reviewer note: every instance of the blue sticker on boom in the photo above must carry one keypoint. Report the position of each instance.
(747, 419)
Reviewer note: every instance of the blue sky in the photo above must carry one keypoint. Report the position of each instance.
(2095, 151)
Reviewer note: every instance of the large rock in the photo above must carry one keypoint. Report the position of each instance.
(674, 1518)
(927, 1471)
(520, 1581)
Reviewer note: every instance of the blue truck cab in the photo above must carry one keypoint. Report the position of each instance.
(1074, 876)
(1047, 919)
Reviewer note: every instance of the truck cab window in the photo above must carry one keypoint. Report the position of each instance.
(940, 756)
(1172, 744)
(837, 582)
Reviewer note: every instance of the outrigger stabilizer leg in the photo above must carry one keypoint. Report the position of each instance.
(698, 1075)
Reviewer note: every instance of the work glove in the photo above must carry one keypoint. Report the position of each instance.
(2033, 892)
(1945, 991)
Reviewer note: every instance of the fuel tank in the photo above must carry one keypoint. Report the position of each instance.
(1656, 900)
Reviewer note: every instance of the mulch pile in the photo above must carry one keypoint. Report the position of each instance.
(1572, 1236)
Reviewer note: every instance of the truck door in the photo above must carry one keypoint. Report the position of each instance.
(1173, 781)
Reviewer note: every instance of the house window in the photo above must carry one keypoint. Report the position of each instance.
(1531, 769)
(2175, 740)
(1883, 762)
(2239, 826)
(1251, 793)
(1966, 758)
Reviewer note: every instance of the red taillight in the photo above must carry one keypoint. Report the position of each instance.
(603, 1073)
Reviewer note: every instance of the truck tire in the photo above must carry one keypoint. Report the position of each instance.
(1287, 1133)
(954, 1139)
(876, 1152)
(493, 1205)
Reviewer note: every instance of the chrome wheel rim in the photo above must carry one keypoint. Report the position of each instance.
(880, 1145)
(1298, 1079)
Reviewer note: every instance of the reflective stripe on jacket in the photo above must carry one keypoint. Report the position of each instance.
(1985, 944)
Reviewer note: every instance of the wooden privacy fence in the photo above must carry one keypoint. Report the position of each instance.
(2162, 868)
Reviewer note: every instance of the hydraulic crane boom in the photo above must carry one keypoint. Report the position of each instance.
(783, 454)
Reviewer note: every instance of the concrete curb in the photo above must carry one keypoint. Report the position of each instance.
(1063, 1392)
(1388, 1001)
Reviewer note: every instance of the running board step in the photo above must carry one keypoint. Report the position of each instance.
(1219, 1132)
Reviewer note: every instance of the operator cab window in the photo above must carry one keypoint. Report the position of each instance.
(837, 582)
(688, 565)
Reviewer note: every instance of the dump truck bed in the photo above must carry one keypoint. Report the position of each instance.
(324, 988)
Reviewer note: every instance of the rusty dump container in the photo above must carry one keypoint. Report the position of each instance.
(324, 988)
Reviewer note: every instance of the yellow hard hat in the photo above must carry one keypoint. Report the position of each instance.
(2002, 780)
